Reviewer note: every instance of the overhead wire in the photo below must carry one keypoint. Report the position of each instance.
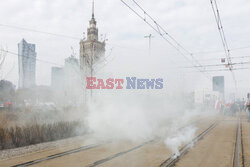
(76, 38)
(223, 38)
(234, 69)
(157, 29)
(40, 60)
(218, 51)
(163, 33)
(38, 31)
(214, 65)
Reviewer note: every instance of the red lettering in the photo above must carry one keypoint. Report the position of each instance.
(100, 84)
(110, 83)
(120, 82)
(90, 83)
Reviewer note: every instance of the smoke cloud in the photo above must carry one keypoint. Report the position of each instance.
(176, 140)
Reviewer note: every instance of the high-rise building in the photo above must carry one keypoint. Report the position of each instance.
(71, 72)
(91, 49)
(65, 77)
(57, 78)
(66, 82)
(26, 64)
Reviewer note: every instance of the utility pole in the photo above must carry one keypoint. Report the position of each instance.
(150, 36)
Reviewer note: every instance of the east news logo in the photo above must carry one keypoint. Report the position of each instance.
(131, 83)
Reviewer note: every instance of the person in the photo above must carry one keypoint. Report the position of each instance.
(245, 105)
(8, 105)
(218, 105)
(222, 107)
(248, 110)
(233, 109)
(241, 103)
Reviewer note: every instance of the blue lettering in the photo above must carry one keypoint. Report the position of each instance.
(159, 83)
(131, 82)
(140, 83)
(150, 83)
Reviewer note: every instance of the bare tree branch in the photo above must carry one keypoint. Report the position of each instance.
(2, 59)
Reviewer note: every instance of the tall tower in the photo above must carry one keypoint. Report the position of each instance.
(91, 49)
(26, 64)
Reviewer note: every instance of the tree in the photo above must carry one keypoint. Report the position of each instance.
(7, 90)
(2, 59)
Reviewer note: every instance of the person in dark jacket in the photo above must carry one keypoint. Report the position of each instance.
(248, 110)
(234, 108)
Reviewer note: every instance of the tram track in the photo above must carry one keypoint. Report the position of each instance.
(101, 161)
(242, 148)
(54, 156)
(88, 147)
(239, 158)
(172, 160)
(242, 143)
(238, 145)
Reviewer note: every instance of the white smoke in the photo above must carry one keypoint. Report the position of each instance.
(119, 118)
(180, 138)
(137, 116)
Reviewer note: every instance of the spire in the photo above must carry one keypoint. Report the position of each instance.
(92, 30)
(93, 5)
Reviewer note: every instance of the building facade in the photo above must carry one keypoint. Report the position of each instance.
(66, 83)
(66, 76)
(57, 78)
(26, 64)
(91, 49)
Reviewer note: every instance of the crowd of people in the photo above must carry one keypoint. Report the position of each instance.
(231, 108)
(7, 106)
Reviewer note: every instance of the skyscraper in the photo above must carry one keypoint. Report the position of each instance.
(26, 64)
(57, 78)
(91, 49)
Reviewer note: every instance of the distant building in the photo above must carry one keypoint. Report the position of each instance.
(57, 78)
(91, 49)
(65, 82)
(71, 72)
(26, 64)
(218, 84)
(202, 96)
(72, 63)
(65, 77)
(72, 86)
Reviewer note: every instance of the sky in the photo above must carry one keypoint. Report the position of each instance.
(190, 22)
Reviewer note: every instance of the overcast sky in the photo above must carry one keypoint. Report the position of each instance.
(190, 22)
